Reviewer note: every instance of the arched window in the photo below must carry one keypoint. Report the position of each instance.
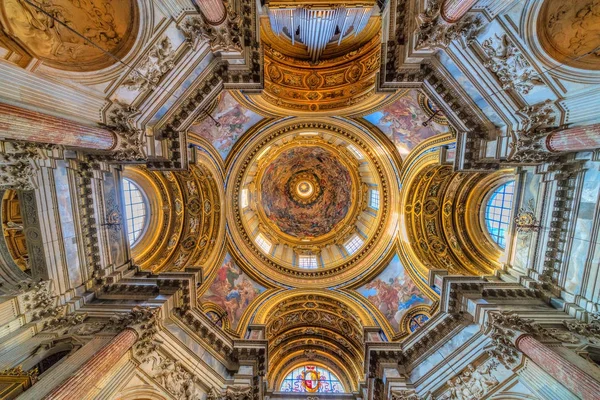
(135, 210)
(497, 212)
(311, 379)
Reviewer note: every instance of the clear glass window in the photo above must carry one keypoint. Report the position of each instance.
(497, 212)
(307, 261)
(135, 210)
(356, 152)
(244, 198)
(311, 379)
(263, 243)
(353, 244)
(374, 199)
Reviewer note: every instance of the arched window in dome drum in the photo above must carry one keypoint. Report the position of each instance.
(311, 379)
(497, 212)
(135, 210)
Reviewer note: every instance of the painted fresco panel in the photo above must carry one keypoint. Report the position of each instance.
(393, 293)
(67, 224)
(232, 290)
(402, 122)
(234, 120)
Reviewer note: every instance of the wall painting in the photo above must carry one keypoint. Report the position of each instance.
(393, 293)
(234, 120)
(402, 121)
(232, 290)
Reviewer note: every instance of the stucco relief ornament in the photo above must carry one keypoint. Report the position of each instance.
(510, 66)
(155, 64)
(590, 330)
(226, 37)
(525, 221)
(529, 142)
(408, 394)
(130, 144)
(19, 163)
(436, 33)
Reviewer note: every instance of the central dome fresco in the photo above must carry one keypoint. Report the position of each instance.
(307, 207)
(306, 192)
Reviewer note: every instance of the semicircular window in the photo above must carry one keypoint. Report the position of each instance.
(135, 210)
(497, 212)
(311, 379)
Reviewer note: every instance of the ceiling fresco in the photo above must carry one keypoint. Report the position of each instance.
(306, 191)
(570, 32)
(402, 121)
(233, 120)
(394, 293)
(110, 24)
(232, 291)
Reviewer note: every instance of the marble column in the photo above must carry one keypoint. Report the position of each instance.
(94, 369)
(568, 374)
(574, 139)
(17, 123)
(213, 10)
(453, 10)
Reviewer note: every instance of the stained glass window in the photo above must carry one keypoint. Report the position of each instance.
(135, 210)
(497, 212)
(417, 321)
(312, 379)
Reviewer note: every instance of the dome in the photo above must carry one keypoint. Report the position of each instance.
(308, 200)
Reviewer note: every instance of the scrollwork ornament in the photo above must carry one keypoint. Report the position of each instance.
(525, 221)
(436, 33)
(130, 143)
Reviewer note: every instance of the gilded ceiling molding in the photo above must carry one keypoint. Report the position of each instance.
(342, 83)
(443, 225)
(343, 133)
(185, 226)
(308, 325)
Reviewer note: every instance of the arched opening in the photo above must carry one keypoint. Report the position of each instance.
(311, 378)
(498, 209)
(135, 210)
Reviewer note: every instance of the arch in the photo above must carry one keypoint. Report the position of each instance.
(14, 269)
(441, 225)
(136, 216)
(185, 228)
(496, 211)
(314, 326)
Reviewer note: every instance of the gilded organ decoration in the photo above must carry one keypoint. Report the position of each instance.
(570, 32)
(47, 30)
(338, 83)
